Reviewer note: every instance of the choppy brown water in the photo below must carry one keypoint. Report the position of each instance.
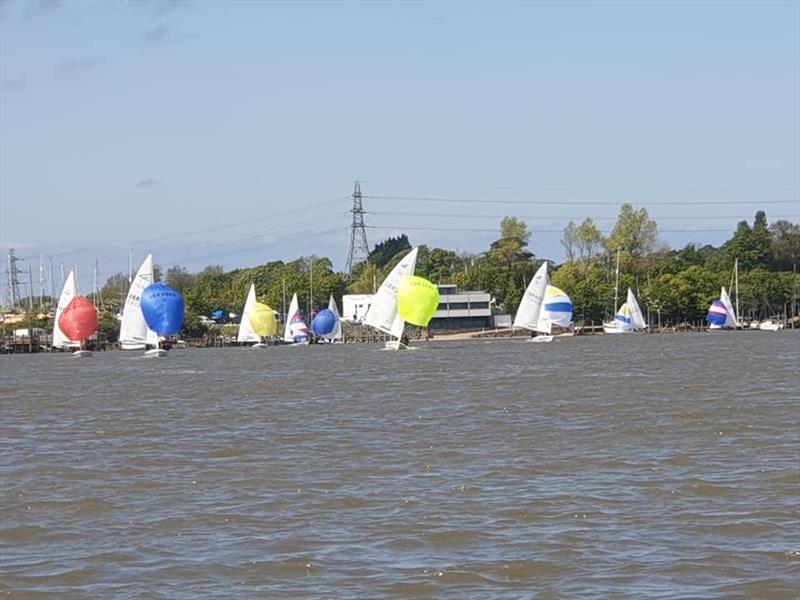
(636, 466)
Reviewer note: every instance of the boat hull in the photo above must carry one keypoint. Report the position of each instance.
(156, 353)
(82, 353)
(395, 345)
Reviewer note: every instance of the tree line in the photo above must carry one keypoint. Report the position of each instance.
(673, 285)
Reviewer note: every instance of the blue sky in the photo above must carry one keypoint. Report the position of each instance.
(231, 133)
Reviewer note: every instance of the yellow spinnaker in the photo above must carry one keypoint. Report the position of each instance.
(417, 300)
(262, 318)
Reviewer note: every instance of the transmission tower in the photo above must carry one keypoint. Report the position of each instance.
(359, 249)
(13, 283)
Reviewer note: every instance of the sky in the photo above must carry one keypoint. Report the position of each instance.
(231, 133)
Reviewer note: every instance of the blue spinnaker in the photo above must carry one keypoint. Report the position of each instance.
(162, 308)
(324, 322)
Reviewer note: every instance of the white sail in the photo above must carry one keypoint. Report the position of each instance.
(732, 320)
(296, 329)
(336, 334)
(530, 314)
(134, 334)
(382, 313)
(246, 333)
(68, 292)
(636, 312)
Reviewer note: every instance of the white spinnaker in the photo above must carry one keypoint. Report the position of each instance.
(134, 334)
(636, 312)
(336, 334)
(382, 313)
(246, 332)
(68, 292)
(530, 314)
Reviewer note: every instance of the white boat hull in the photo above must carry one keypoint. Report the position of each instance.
(769, 326)
(613, 329)
(541, 339)
(156, 353)
(395, 345)
(259, 345)
(82, 353)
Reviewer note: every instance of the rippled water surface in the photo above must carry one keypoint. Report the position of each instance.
(635, 466)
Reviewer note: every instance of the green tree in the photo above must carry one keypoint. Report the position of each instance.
(384, 252)
(635, 235)
(785, 245)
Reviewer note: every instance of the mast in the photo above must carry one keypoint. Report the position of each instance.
(310, 287)
(284, 300)
(130, 267)
(41, 282)
(736, 280)
(52, 288)
(616, 285)
(30, 288)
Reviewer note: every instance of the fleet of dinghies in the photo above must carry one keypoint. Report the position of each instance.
(154, 311)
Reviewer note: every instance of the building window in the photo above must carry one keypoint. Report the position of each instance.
(458, 305)
(479, 305)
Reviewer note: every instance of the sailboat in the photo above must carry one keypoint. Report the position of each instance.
(263, 322)
(629, 317)
(246, 332)
(382, 312)
(134, 334)
(335, 335)
(163, 310)
(543, 306)
(721, 314)
(75, 319)
(296, 331)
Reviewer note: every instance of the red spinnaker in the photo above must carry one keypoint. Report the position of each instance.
(79, 319)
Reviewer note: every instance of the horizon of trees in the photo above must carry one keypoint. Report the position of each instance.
(673, 285)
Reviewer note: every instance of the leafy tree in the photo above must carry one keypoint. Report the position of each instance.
(635, 235)
(384, 252)
(785, 245)
(179, 278)
(751, 246)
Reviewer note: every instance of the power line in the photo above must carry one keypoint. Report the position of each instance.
(551, 218)
(496, 230)
(580, 202)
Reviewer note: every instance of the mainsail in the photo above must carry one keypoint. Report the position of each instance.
(134, 334)
(635, 312)
(336, 334)
(68, 292)
(529, 314)
(246, 332)
(296, 329)
(382, 313)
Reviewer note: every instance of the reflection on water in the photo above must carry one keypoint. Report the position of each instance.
(644, 465)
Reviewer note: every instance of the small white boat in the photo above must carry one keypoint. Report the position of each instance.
(134, 334)
(382, 313)
(82, 353)
(721, 314)
(296, 331)
(629, 317)
(769, 325)
(156, 353)
(543, 306)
